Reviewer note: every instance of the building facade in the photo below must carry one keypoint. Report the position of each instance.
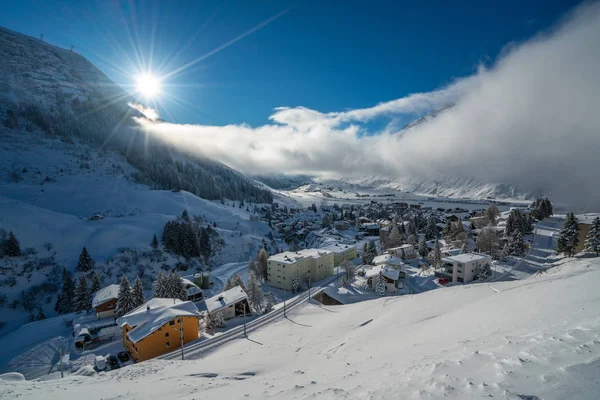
(341, 252)
(105, 301)
(464, 267)
(314, 264)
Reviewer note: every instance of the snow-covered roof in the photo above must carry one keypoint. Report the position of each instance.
(587, 218)
(105, 294)
(387, 259)
(370, 226)
(403, 247)
(291, 257)
(338, 248)
(190, 287)
(225, 299)
(155, 313)
(467, 257)
(387, 270)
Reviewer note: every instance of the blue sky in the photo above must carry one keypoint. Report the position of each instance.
(324, 55)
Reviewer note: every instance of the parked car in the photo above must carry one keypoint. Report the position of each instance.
(443, 281)
(100, 363)
(123, 356)
(112, 362)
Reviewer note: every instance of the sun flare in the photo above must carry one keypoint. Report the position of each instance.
(148, 85)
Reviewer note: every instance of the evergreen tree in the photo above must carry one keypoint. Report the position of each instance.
(174, 287)
(380, 288)
(547, 207)
(592, 241)
(568, 238)
(393, 239)
(431, 230)
(436, 255)
(516, 246)
(371, 252)
(237, 281)
(85, 262)
(205, 246)
(96, 283)
(82, 299)
(252, 267)
(255, 294)
(465, 247)
(154, 243)
(411, 239)
(423, 248)
(125, 301)
(228, 284)
(269, 306)
(10, 246)
(365, 254)
(492, 213)
(158, 287)
(138, 293)
(185, 216)
(261, 264)
(64, 302)
(295, 283)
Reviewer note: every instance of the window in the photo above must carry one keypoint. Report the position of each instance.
(171, 323)
(167, 345)
(167, 334)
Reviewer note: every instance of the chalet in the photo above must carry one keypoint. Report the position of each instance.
(387, 259)
(392, 277)
(158, 327)
(105, 301)
(464, 267)
(231, 303)
(406, 251)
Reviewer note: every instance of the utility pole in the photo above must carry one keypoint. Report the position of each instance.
(181, 334)
(284, 295)
(62, 375)
(245, 333)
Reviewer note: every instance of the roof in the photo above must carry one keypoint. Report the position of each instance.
(190, 287)
(387, 259)
(155, 313)
(370, 226)
(227, 298)
(586, 218)
(291, 257)
(338, 247)
(404, 246)
(467, 257)
(387, 270)
(103, 295)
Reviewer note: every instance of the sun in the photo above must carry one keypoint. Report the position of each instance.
(148, 85)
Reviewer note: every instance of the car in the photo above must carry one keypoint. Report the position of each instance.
(443, 281)
(112, 362)
(123, 356)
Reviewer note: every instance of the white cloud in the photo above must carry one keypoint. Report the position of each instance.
(530, 120)
(148, 112)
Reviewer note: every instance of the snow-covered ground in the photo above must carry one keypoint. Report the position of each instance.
(533, 339)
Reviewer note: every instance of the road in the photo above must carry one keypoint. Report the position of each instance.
(195, 349)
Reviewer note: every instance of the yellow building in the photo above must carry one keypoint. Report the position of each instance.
(153, 329)
(341, 252)
(316, 263)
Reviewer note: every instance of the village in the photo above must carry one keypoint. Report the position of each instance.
(338, 254)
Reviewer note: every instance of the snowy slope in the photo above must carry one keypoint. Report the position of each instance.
(532, 339)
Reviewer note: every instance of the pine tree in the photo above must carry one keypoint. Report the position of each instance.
(423, 248)
(82, 299)
(138, 292)
(154, 243)
(568, 238)
(64, 302)
(436, 255)
(261, 264)
(11, 247)
(85, 262)
(393, 239)
(372, 250)
(96, 283)
(204, 244)
(380, 288)
(365, 254)
(431, 230)
(256, 298)
(174, 287)
(158, 287)
(269, 306)
(516, 246)
(185, 216)
(592, 241)
(125, 301)
(492, 213)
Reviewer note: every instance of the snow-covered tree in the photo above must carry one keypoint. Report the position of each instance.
(237, 280)
(465, 247)
(393, 239)
(371, 251)
(349, 272)
(295, 282)
(125, 300)
(138, 292)
(252, 267)
(492, 213)
(592, 241)
(568, 238)
(269, 306)
(423, 248)
(85, 262)
(365, 254)
(487, 241)
(219, 321)
(256, 298)
(380, 288)
(64, 302)
(174, 287)
(228, 284)
(436, 255)
(431, 229)
(10, 246)
(82, 300)
(516, 246)
(154, 242)
(261, 264)
(158, 287)
(96, 282)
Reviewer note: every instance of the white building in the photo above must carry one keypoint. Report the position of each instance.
(194, 293)
(464, 267)
(315, 264)
(391, 274)
(230, 303)
(387, 259)
(405, 251)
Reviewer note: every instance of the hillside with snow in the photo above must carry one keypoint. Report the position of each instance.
(469, 341)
